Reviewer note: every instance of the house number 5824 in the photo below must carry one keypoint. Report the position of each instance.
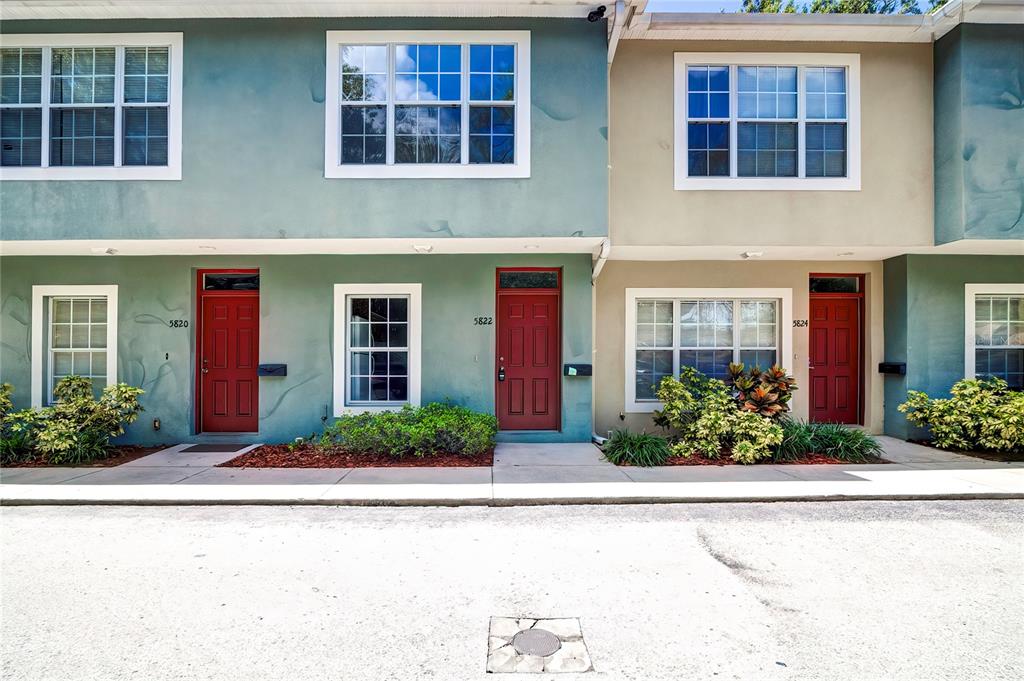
(800, 322)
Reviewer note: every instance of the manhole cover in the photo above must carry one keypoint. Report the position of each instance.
(536, 642)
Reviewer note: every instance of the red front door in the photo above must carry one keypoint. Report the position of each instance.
(528, 380)
(835, 330)
(228, 358)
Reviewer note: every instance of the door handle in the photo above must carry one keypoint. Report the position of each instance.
(501, 374)
(205, 370)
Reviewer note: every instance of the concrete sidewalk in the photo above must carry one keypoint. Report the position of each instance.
(522, 474)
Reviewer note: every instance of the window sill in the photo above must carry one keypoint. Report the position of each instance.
(410, 172)
(91, 173)
(644, 407)
(767, 184)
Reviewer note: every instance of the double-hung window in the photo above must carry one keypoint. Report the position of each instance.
(409, 104)
(74, 333)
(377, 346)
(90, 106)
(706, 329)
(995, 332)
(767, 121)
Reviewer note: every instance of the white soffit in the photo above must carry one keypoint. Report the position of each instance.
(176, 9)
(753, 253)
(780, 27)
(403, 246)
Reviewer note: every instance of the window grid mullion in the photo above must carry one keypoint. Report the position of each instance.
(119, 98)
(736, 342)
(676, 337)
(733, 118)
(464, 103)
(389, 143)
(801, 129)
(44, 101)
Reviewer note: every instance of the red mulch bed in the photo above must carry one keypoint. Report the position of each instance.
(118, 456)
(307, 456)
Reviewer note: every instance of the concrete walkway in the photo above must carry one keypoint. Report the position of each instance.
(522, 474)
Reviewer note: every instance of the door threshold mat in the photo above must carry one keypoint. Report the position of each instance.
(536, 645)
(226, 448)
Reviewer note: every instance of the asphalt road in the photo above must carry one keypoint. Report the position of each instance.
(868, 590)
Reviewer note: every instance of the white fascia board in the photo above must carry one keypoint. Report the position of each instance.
(402, 246)
(836, 252)
(179, 9)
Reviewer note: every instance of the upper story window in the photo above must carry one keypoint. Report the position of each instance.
(90, 107)
(767, 121)
(409, 104)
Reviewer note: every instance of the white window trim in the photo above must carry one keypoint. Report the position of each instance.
(333, 168)
(39, 333)
(172, 171)
(785, 349)
(849, 183)
(341, 294)
(971, 291)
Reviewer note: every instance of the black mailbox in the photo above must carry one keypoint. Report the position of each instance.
(898, 368)
(272, 370)
(578, 370)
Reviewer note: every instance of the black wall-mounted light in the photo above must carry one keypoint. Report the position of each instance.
(597, 14)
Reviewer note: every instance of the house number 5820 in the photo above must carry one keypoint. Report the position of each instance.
(178, 323)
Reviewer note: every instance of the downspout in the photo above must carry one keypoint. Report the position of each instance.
(602, 258)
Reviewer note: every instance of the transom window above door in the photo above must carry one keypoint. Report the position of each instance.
(767, 121)
(91, 107)
(428, 104)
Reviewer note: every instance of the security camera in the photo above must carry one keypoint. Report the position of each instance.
(596, 15)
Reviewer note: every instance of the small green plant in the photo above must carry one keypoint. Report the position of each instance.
(980, 414)
(437, 428)
(705, 418)
(636, 449)
(76, 429)
(766, 393)
(827, 439)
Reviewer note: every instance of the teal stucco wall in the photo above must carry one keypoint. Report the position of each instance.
(924, 321)
(296, 328)
(253, 140)
(979, 133)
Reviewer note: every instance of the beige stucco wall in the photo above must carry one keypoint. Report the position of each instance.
(610, 332)
(893, 207)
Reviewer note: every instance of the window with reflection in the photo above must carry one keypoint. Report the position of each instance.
(428, 103)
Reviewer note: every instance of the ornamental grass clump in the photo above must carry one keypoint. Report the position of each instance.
(980, 414)
(636, 449)
(705, 417)
(833, 440)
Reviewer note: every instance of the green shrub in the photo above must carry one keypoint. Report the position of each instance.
(981, 414)
(766, 393)
(77, 429)
(437, 428)
(636, 449)
(828, 439)
(706, 418)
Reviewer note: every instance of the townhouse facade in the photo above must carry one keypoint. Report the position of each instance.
(266, 222)
(840, 195)
(268, 216)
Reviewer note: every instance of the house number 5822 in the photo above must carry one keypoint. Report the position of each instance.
(483, 321)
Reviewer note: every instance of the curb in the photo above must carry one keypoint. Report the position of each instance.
(502, 503)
